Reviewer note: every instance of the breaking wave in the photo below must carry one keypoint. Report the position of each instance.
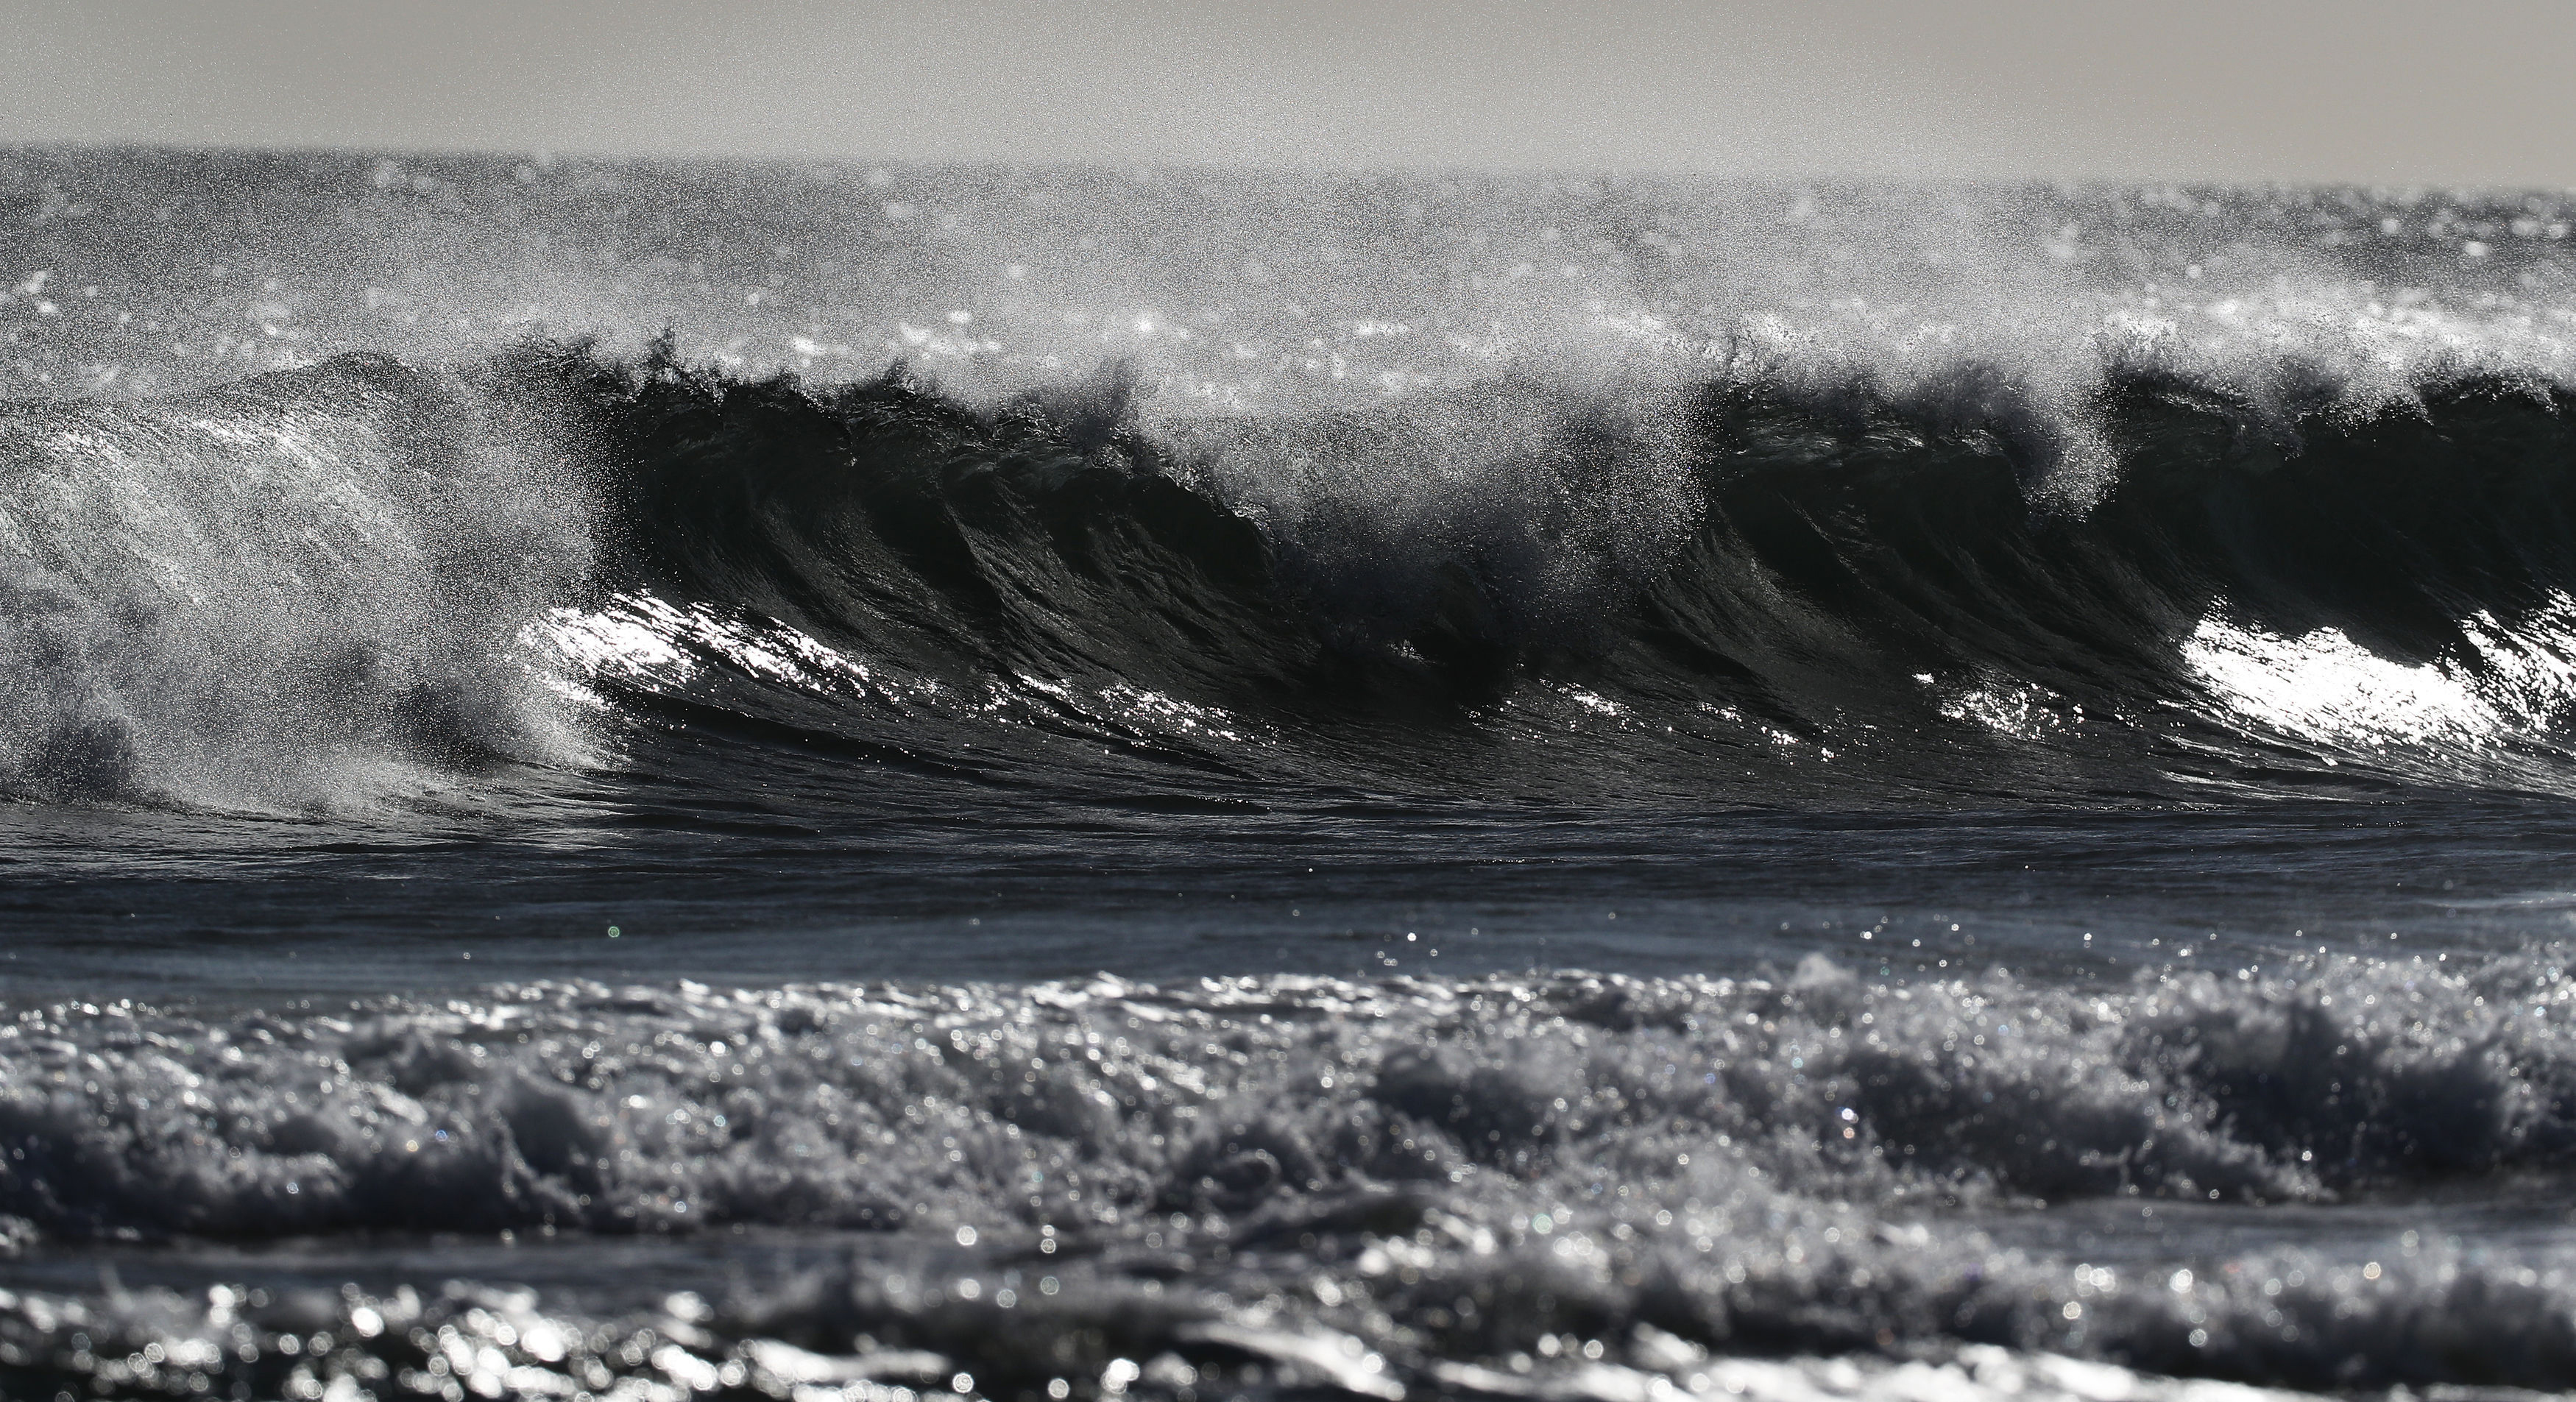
(364, 579)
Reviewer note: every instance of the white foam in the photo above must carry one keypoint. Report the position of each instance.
(2326, 688)
(277, 599)
(1573, 1154)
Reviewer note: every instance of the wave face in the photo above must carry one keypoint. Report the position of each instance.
(1739, 592)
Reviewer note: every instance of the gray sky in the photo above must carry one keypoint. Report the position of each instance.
(2467, 91)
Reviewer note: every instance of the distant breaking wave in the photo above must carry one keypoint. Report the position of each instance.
(364, 581)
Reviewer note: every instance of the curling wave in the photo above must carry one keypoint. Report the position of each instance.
(1751, 591)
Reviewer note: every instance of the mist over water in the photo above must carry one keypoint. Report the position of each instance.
(641, 779)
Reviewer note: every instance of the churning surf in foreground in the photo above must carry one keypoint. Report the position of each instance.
(643, 781)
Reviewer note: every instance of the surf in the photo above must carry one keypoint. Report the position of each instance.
(372, 578)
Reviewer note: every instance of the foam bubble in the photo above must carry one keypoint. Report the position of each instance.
(1450, 1171)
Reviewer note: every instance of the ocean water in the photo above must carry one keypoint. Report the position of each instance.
(642, 780)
